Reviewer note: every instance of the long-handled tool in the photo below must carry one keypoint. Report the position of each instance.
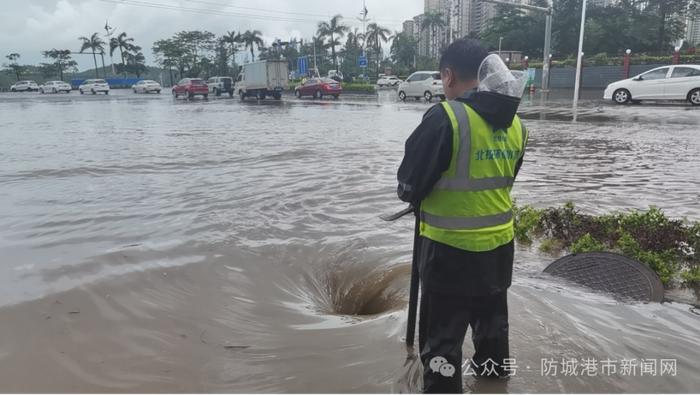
(415, 278)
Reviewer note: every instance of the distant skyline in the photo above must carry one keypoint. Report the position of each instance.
(32, 26)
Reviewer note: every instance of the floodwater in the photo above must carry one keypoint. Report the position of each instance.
(149, 245)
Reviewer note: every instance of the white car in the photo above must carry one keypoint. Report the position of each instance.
(678, 82)
(425, 84)
(388, 80)
(146, 86)
(55, 87)
(336, 75)
(94, 86)
(24, 86)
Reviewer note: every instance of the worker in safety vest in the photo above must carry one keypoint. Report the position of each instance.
(458, 171)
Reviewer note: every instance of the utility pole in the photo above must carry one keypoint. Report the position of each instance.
(110, 31)
(548, 11)
(579, 59)
(364, 20)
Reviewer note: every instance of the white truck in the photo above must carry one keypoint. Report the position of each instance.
(264, 78)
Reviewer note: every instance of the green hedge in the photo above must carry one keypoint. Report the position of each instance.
(669, 247)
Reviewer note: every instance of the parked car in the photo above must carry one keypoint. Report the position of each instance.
(94, 86)
(191, 87)
(146, 86)
(389, 80)
(219, 85)
(318, 87)
(426, 84)
(55, 87)
(24, 86)
(679, 82)
(336, 75)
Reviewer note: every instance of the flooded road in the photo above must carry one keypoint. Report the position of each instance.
(149, 245)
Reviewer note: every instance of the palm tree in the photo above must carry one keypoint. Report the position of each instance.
(375, 34)
(94, 43)
(232, 38)
(252, 39)
(334, 30)
(433, 21)
(122, 42)
(354, 37)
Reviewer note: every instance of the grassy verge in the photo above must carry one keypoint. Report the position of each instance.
(668, 246)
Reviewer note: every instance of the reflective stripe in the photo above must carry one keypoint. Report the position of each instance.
(461, 180)
(465, 142)
(474, 184)
(466, 222)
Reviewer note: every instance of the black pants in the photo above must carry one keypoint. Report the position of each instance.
(461, 289)
(443, 324)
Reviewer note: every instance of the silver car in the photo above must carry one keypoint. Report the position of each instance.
(24, 86)
(146, 86)
(55, 87)
(94, 86)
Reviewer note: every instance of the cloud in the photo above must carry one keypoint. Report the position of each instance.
(31, 26)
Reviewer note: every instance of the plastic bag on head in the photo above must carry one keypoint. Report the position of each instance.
(494, 76)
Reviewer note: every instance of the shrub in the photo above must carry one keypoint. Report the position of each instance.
(587, 244)
(668, 246)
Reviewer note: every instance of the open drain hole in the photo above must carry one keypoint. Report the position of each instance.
(359, 289)
(375, 293)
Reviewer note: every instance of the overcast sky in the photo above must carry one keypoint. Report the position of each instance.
(30, 26)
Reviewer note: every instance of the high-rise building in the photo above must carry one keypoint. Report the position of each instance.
(692, 33)
(461, 18)
(442, 33)
(409, 27)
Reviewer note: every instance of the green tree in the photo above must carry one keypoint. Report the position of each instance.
(528, 37)
(61, 60)
(334, 31)
(95, 44)
(377, 34)
(404, 52)
(565, 26)
(350, 53)
(196, 44)
(670, 18)
(252, 39)
(135, 63)
(123, 43)
(14, 66)
(169, 55)
(232, 38)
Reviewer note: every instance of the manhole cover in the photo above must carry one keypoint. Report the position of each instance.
(609, 272)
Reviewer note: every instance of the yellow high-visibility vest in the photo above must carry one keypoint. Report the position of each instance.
(470, 205)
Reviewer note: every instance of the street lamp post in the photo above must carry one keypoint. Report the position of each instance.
(626, 63)
(549, 67)
(500, 40)
(577, 83)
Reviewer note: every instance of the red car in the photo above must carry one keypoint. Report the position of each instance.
(190, 87)
(317, 87)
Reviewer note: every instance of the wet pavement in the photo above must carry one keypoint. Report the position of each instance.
(225, 246)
